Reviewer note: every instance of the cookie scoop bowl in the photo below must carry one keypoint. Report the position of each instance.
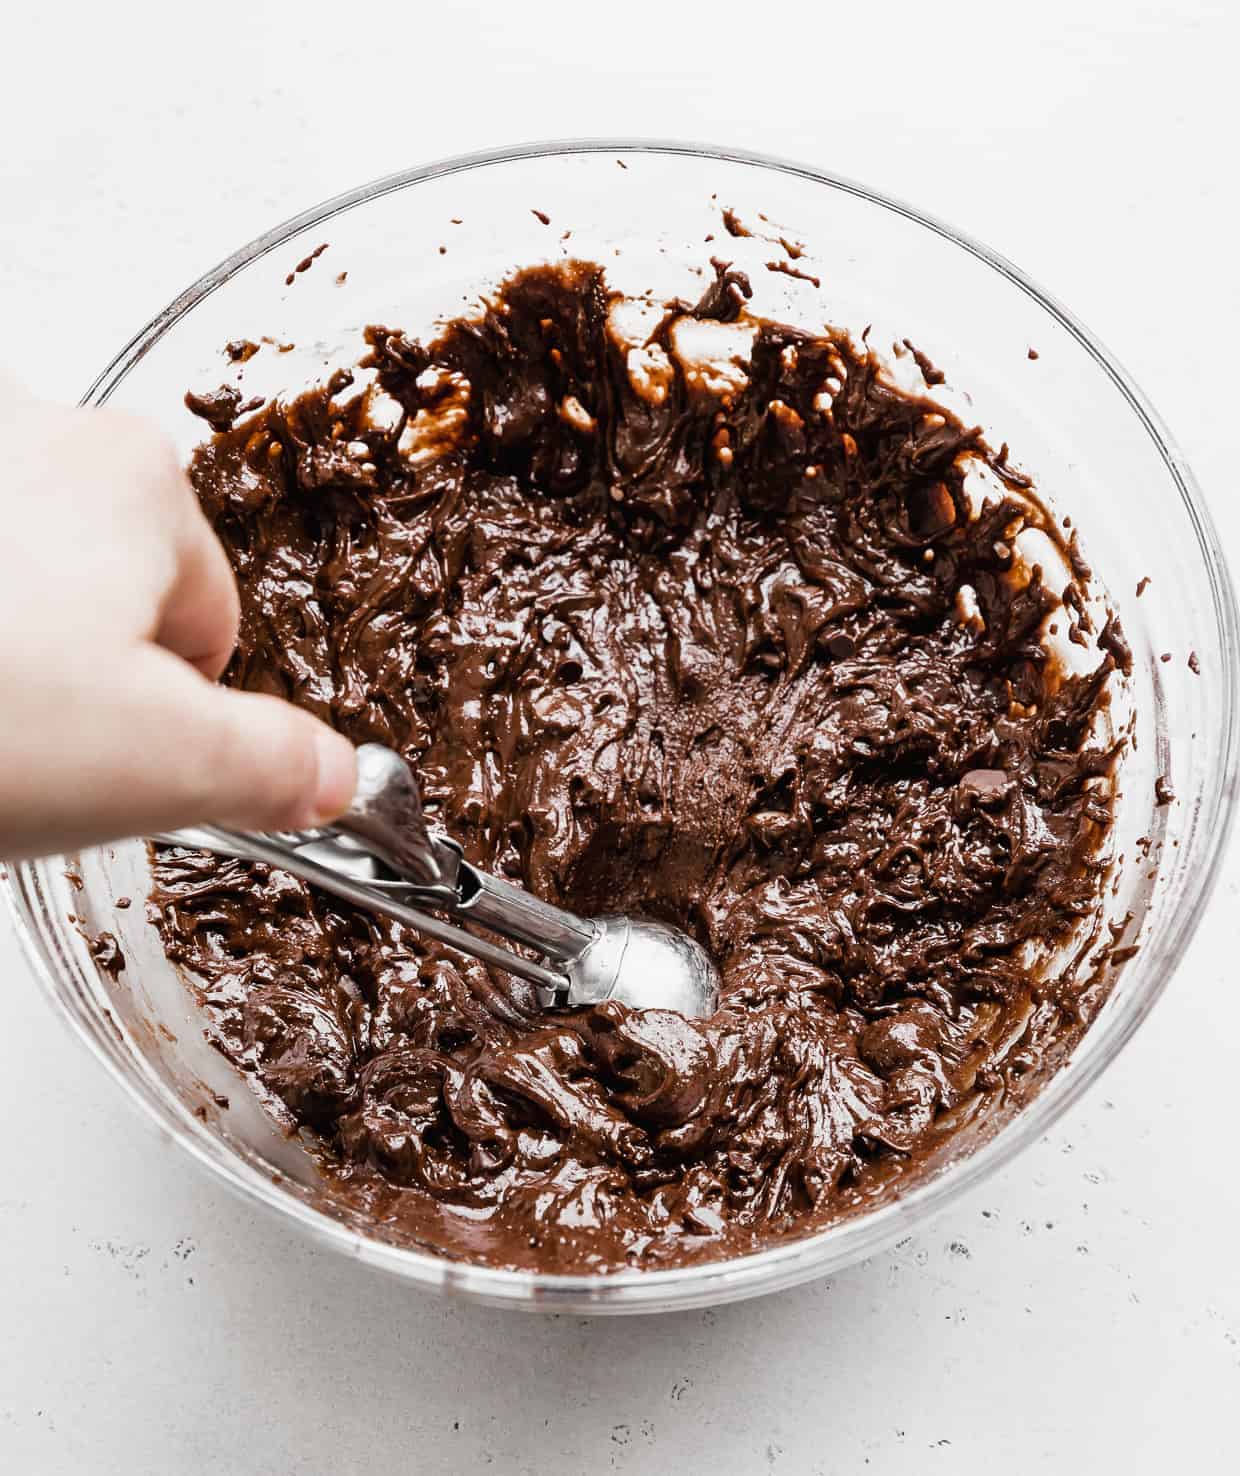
(1073, 420)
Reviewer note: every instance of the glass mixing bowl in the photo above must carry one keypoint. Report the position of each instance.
(418, 246)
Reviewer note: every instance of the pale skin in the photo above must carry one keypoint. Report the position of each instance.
(118, 612)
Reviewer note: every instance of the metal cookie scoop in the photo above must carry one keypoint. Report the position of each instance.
(380, 855)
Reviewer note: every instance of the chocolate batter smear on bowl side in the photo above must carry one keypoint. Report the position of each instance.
(726, 643)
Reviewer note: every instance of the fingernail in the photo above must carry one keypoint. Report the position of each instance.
(337, 776)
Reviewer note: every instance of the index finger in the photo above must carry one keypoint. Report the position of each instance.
(200, 612)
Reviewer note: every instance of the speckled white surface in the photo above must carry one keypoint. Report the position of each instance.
(1081, 1312)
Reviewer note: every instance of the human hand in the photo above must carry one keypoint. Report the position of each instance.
(118, 611)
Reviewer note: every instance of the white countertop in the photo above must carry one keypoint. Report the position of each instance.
(1080, 1312)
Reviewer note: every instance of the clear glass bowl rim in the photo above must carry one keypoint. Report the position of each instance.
(851, 1240)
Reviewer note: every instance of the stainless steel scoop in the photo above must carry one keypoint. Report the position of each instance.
(380, 855)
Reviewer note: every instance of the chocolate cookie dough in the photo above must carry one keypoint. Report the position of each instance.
(731, 641)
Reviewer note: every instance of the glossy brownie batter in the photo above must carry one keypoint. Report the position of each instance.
(727, 642)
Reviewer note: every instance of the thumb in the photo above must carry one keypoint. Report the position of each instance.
(242, 758)
(107, 749)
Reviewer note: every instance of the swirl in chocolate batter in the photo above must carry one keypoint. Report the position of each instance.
(732, 644)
